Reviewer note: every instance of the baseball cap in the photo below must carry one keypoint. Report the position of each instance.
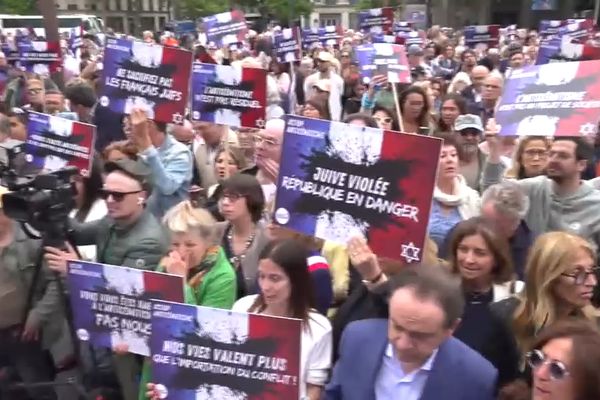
(414, 50)
(135, 169)
(325, 56)
(468, 121)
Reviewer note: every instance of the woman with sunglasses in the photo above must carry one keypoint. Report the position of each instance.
(286, 291)
(384, 118)
(241, 203)
(560, 279)
(565, 364)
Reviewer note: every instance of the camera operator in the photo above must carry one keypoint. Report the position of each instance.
(24, 342)
(128, 236)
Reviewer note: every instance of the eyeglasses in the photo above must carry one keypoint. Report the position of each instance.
(581, 275)
(231, 196)
(533, 153)
(35, 90)
(491, 86)
(117, 196)
(267, 141)
(557, 369)
(385, 120)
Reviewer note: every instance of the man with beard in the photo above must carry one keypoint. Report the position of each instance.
(561, 201)
(472, 160)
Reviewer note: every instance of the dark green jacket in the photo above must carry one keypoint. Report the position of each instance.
(140, 245)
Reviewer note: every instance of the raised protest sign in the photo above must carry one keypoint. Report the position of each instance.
(228, 95)
(569, 43)
(549, 27)
(207, 353)
(376, 20)
(337, 181)
(383, 59)
(482, 36)
(325, 36)
(287, 45)
(412, 37)
(38, 51)
(54, 143)
(225, 28)
(147, 76)
(557, 99)
(403, 26)
(111, 304)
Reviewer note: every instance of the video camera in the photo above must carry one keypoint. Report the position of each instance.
(42, 202)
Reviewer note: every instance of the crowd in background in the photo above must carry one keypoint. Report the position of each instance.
(503, 306)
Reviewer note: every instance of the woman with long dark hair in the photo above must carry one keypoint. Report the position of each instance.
(89, 205)
(414, 110)
(452, 105)
(286, 291)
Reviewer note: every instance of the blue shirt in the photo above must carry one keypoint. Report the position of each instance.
(171, 167)
(393, 384)
(441, 223)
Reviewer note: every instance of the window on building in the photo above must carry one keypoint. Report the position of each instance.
(72, 7)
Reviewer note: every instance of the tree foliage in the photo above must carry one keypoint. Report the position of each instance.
(18, 7)
(282, 11)
(192, 9)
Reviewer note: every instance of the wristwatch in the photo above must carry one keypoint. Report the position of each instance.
(374, 280)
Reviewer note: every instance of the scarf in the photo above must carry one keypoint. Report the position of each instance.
(197, 273)
(465, 198)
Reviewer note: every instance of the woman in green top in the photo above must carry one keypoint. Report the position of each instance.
(196, 255)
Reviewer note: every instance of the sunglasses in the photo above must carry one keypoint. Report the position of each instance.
(556, 369)
(117, 196)
(385, 120)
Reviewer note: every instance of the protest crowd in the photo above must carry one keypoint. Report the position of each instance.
(340, 213)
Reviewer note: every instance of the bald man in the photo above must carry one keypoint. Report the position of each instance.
(472, 93)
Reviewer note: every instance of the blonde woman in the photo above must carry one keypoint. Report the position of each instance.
(560, 279)
(196, 255)
(530, 158)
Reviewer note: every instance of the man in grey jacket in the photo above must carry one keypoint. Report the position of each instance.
(128, 236)
(560, 201)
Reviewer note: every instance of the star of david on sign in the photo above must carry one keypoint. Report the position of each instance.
(177, 118)
(587, 129)
(410, 252)
(260, 123)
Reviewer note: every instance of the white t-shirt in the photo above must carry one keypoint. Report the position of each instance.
(316, 346)
(97, 211)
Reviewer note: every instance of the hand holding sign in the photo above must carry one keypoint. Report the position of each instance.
(139, 129)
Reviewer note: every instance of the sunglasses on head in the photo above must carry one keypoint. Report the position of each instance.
(117, 196)
(556, 369)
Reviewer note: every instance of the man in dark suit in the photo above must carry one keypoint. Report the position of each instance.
(412, 355)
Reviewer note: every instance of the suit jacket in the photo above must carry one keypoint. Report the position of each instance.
(145, 241)
(458, 373)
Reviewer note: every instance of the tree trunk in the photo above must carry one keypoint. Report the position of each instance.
(48, 11)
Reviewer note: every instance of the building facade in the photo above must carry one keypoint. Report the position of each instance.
(455, 13)
(127, 16)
